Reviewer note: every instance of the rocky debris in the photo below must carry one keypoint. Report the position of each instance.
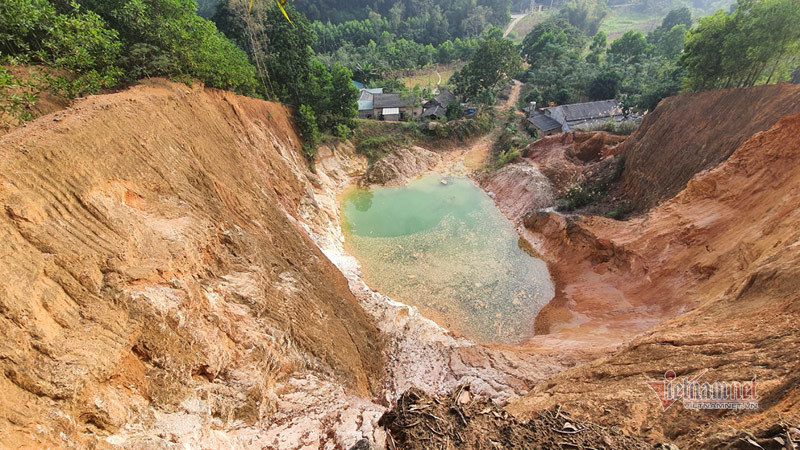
(401, 165)
(518, 189)
(366, 444)
(593, 146)
(465, 421)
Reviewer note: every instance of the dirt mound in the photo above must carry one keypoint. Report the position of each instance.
(721, 262)
(549, 168)
(401, 165)
(465, 421)
(693, 132)
(155, 277)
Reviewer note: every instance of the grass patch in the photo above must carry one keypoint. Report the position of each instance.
(376, 139)
(526, 24)
(427, 78)
(620, 20)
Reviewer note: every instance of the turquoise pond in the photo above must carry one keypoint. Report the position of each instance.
(447, 249)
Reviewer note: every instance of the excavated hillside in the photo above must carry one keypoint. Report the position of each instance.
(722, 259)
(690, 133)
(156, 288)
(163, 285)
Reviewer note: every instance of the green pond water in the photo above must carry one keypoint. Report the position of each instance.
(446, 249)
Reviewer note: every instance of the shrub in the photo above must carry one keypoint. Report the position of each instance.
(307, 124)
(80, 42)
(342, 131)
(506, 157)
(16, 99)
(578, 196)
(620, 211)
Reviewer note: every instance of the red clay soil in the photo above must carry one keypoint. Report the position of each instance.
(693, 132)
(567, 158)
(715, 271)
(147, 255)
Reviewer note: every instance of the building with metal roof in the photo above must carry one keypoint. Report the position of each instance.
(589, 113)
(544, 123)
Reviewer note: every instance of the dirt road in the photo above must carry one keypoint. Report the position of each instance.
(517, 18)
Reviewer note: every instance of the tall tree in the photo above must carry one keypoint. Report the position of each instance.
(493, 63)
(756, 43)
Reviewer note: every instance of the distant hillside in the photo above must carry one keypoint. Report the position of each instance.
(455, 12)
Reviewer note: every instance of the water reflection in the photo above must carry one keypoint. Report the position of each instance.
(446, 249)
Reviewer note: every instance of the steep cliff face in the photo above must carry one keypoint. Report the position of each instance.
(690, 133)
(714, 273)
(154, 275)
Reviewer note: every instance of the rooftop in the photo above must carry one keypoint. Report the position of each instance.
(588, 110)
(444, 98)
(389, 101)
(435, 111)
(544, 122)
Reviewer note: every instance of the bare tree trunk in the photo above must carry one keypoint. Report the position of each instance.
(775, 67)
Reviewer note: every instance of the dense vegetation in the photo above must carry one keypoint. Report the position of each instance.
(374, 38)
(567, 66)
(423, 21)
(309, 64)
(287, 68)
(105, 42)
(489, 68)
(758, 43)
(372, 51)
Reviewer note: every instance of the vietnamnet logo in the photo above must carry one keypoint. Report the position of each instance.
(694, 394)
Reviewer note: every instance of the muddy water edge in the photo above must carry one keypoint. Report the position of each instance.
(419, 352)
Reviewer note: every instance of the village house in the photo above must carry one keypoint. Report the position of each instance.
(436, 107)
(374, 104)
(562, 118)
(366, 102)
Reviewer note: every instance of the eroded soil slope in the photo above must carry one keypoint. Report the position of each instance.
(152, 272)
(722, 259)
(693, 132)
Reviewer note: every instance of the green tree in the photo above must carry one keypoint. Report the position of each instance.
(672, 43)
(167, 37)
(586, 15)
(550, 40)
(630, 48)
(757, 43)
(680, 16)
(454, 110)
(281, 51)
(493, 63)
(597, 49)
(605, 85)
(307, 125)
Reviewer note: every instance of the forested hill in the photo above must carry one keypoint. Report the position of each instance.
(423, 21)
(459, 18)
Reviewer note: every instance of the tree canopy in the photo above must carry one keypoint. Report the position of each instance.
(757, 43)
(492, 65)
